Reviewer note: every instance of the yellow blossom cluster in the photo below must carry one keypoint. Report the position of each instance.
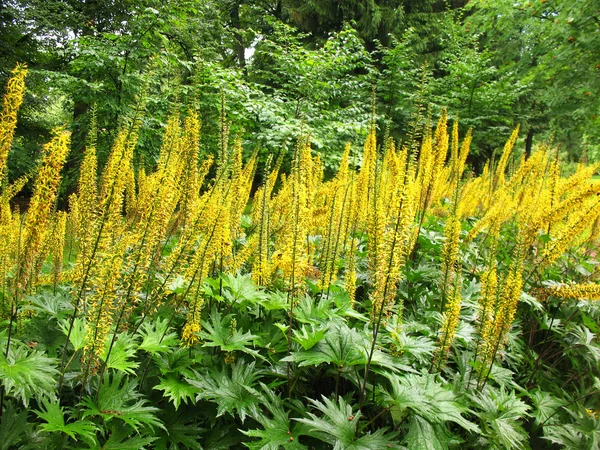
(576, 291)
(134, 230)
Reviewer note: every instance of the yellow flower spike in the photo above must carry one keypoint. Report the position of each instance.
(449, 323)
(581, 220)
(189, 334)
(440, 149)
(240, 194)
(464, 152)
(102, 302)
(365, 183)
(450, 263)
(88, 190)
(350, 276)
(394, 247)
(454, 150)
(505, 309)
(130, 191)
(579, 179)
(579, 291)
(10, 244)
(485, 315)
(191, 177)
(499, 176)
(8, 118)
(332, 239)
(7, 195)
(38, 215)
(242, 256)
(58, 245)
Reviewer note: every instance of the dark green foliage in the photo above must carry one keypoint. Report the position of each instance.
(231, 389)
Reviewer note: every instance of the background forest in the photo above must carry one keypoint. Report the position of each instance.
(285, 66)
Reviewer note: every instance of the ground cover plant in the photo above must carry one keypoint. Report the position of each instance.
(406, 302)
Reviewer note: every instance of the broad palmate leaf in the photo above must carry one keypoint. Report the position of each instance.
(338, 426)
(423, 396)
(233, 393)
(53, 414)
(176, 389)
(119, 399)
(278, 431)
(27, 374)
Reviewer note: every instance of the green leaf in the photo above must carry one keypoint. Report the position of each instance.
(274, 301)
(423, 396)
(545, 238)
(277, 431)
(25, 375)
(223, 437)
(589, 322)
(122, 354)
(178, 285)
(176, 390)
(48, 304)
(309, 339)
(218, 332)
(344, 347)
(119, 399)
(180, 432)
(500, 414)
(233, 394)
(121, 438)
(544, 405)
(53, 414)
(338, 426)
(422, 435)
(241, 289)
(313, 310)
(582, 433)
(157, 337)
(12, 427)
(176, 361)
(78, 332)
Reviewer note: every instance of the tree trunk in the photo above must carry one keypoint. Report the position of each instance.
(529, 142)
(234, 13)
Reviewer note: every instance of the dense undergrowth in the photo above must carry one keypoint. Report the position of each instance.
(404, 303)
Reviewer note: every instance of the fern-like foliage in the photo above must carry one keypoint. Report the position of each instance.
(53, 416)
(57, 305)
(309, 335)
(582, 434)
(423, 435)
(122, 355)
(78, 332)
(338, 423)
(423, 396)
(501, 413)
(241, 290)
(12, 427)
(28, 374)
(278, 429)
(122, 437)
(118, 398)
(342, 346)
(157, 337)
(233, 393)
(545, 406)
(176, 390)
(218, 332)
(180, 432)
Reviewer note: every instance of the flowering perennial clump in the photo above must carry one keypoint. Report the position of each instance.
(140, 238)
